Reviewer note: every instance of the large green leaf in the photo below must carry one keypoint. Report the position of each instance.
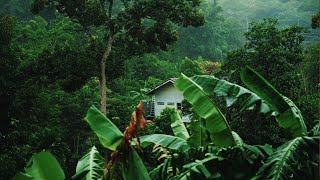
(232, 93)
(22, 176)
(238, 140)
(288, 115)
(199, 167)
(178, 128)
(136, 170)
(164, 140)
(109, 135)
(283, 163)
(216, 123)
(90, 166)
(42, 166)
(199, 136)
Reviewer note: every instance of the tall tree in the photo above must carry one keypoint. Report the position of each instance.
(274, 52)
(132, 27)
(213, 40)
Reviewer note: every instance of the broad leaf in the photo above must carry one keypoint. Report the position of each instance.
(22, 176)
(199, 136)
(232, 93)
(90, 166)
(109, 135)
(280, 164)
(178, 128)
(216, 123)
(289, 116)
(164, 140)
(43, 166)
(199, 168)
(136, 169)
(238, 140)
(163, 171)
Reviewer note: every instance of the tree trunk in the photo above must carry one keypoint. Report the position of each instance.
(106, 54)
(103, 82)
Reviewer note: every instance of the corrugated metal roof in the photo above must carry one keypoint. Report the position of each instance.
(170, 80)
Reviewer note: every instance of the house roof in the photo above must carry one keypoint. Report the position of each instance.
(170, 80)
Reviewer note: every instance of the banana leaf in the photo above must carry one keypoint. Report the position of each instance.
(199, 136)
(238, 140)
(109, 135)
(232, 93)
(22, 176)
(164, 140)
(178, 128)
(135, 170)
(282, 163)
(216, 124)
(288, 115)
(199, 167)
(90, 166)
(43, 166)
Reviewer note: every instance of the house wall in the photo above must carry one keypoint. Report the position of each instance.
(168, 94)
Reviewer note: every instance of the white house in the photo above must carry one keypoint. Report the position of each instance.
(166, 95)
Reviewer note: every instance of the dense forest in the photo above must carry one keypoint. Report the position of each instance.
(73, 74)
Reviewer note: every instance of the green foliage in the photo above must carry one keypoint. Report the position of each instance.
(234, 94)
(276, 53)
(138, 30)
(310, 69)
(109, 135)
(90, 166)
(47, 64)
(19, 9)
(54, 55)
(178, 128)
(289, 116)
(168, 141)
(291, 12)
(211, 41)
(189, 160)
(286, 161)
(190, 67)
(216, 123)
(42, 166)
(273, 52)
(45, 123)
(163, 122)
(315, 20)
(144, 67)
(199, 168)
(240, 154)
(199, 137)
(8, 55)
(136, 169)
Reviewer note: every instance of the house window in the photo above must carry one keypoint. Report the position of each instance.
(179, 106)
(170, 103)
(160, 103)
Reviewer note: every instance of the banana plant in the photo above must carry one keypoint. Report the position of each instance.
(281, 163)
(216, 123)
(43, 165)
(288, 115)
(233, 93)
(192, 156)
(178, 128)
(267, 100)
(109, 135)
(90, 166)
(124, 156)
